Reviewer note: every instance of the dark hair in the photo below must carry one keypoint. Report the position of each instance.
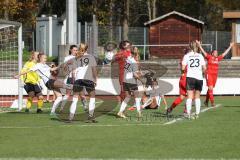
(122, 44)
(71, 47)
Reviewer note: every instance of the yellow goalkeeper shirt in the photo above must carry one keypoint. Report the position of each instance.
(31, 77)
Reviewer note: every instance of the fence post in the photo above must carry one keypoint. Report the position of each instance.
(85, 34)
(216, 41)
(79, 32)
(144, 41)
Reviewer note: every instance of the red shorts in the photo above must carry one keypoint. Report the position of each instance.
(211, 79)
(182, 86)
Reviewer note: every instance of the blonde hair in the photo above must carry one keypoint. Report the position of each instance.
(82, 49)
(193, 46)
(135, 53)
(31, 58)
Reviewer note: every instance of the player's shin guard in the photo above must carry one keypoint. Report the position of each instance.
(64, 101)
(124, 104)
(29, 102)
(211, 96)
(56, 104)
(91, 106)
(176, 102)
(138, 104)
(73, 105)
(198, 105)
(40, 103)
(158, 99)
(189, 106)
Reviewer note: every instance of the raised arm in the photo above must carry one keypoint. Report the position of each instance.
(22, 73)
(227, 50)
(200, 47)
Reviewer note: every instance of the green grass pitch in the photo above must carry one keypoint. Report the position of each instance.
(214, 135)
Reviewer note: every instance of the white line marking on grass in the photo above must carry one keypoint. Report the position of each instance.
(105, 125)
(182, 118)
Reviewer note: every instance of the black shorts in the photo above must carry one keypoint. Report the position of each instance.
(50, 84)
(32, 88)
(130, 87)
(82, 83)
(194, 84)
(69, 80)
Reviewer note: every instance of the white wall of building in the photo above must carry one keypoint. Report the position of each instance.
(224, 86)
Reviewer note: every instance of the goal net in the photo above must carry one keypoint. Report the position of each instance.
(10, 64)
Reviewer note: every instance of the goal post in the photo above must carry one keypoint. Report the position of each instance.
(11, 50)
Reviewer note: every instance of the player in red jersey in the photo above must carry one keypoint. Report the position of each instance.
(120, 58)
(212, 70)
(182, 89)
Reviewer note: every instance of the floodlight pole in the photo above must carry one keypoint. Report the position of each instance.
(71, 10)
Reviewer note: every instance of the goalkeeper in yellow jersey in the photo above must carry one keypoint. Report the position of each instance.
(31, 81)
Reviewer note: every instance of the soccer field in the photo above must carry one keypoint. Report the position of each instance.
(214, 135)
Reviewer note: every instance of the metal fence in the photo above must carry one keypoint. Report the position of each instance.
(218, 40)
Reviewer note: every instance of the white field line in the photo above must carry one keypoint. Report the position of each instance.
(105, 125)
(114, 159)
(180, 119)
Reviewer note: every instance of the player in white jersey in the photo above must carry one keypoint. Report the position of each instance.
(130, 85)
(196, 66)
(68, 66)
(85, 76)
(44, 72)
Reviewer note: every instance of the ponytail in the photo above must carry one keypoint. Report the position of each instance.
(82, 49)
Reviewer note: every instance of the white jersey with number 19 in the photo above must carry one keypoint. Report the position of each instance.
(84, 66)
(194, 63)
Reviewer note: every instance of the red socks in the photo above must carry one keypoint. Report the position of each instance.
(210, 93)
(176, 102)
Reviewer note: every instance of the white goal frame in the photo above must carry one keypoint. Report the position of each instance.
(3, 24)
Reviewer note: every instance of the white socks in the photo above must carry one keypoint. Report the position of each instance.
(56, 104)
(138, 104)
(64, 101)
(91, 106)
(73, 105)
(124, 104)
(189, 106)
(158, 99)
(198, 105)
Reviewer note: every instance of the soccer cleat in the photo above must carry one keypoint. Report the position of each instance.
(121, 115)
(206, 103)
(26, 110)
(196, 116)
(169, 110)
(91, 119)
(139, 114)
(39, 110)
(53, 116)
(213, 105)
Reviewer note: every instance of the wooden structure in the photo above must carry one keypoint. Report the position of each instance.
(235, 17)
(172, 32)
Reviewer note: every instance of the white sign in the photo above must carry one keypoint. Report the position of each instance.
(238, 33)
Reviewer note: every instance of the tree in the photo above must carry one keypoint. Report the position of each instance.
(125, 19)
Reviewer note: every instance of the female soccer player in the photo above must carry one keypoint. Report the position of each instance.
(212, 70)
(44, 71)
(195, 64)
(154, 101)
(131, 75)
(85, 75)
(120, 57)
(69, 78)
(182, 89)
(31, 85)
